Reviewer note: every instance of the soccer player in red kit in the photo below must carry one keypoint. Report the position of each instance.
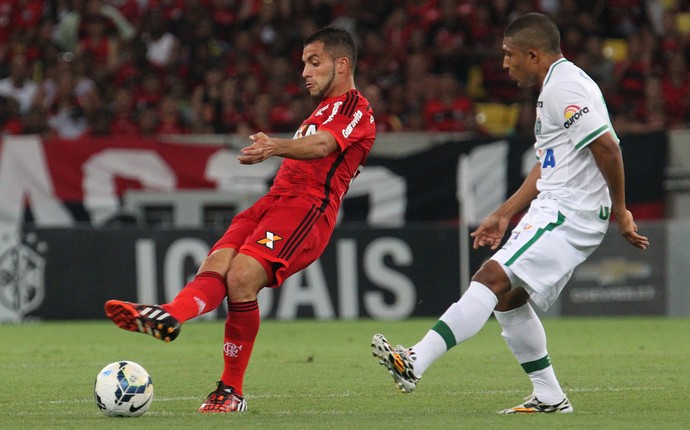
(285, 230)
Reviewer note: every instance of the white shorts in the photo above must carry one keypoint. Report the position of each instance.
(543, 251)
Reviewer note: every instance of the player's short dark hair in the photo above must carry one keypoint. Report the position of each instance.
(535, 30)
(337, 42)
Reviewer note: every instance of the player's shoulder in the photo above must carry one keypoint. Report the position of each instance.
(566, 78)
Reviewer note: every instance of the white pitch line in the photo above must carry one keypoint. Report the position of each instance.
(347, 394)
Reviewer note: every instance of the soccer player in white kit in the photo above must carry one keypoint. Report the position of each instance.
(574, 187)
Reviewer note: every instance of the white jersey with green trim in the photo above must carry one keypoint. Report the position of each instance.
(571, 113)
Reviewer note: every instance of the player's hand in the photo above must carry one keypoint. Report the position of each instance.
(262, 147)
(490, 232)
(628, 228)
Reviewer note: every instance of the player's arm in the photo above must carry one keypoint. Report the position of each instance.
(490, 232)
(607, 155)
(313, 146)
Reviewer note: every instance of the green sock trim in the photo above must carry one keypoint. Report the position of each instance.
(446, 333)
(535, 365)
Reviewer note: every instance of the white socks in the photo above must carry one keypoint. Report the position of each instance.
(525, 336)
(462, 320)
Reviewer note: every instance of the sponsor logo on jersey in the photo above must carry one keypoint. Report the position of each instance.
(334, 111)
(351, 126)
(269, 240)
(320, 111)
(305, 130)
(572, 113)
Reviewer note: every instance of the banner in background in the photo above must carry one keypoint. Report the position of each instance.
(618, 279)
(374, 273)
(65, 182)
(68, 273)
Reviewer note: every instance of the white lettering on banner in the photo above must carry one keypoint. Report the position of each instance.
(622, 293)
(174, 272)
(24, 174)
(395, 282)
(348, 287)
(145, 254)
(307, 288)
(100, 193)
(174, 275)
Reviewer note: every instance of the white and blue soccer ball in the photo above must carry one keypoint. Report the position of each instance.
(123, 389)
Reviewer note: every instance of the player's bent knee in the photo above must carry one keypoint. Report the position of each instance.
(493, 277)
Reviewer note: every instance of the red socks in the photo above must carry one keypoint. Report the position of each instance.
(203, 294)
(241, 328)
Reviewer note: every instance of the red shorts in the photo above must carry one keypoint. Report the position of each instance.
(283, 233)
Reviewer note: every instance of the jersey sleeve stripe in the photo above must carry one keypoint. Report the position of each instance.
(350, 103)
(591, 136)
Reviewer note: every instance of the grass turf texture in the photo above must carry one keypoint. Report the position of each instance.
(627, 373)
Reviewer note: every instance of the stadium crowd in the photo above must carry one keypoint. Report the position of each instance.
(72, 68)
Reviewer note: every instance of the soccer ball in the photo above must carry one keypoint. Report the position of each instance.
(123, 389)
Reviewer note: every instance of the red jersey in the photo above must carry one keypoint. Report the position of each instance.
(349, 118)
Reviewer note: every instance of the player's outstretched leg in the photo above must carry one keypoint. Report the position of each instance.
(532, 405)
(399, 362)
(223, 399)
(149, 319)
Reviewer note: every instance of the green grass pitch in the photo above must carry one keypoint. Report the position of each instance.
(620, 373)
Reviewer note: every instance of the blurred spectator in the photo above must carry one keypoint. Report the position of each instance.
(623, 18)
(675, 90)
(385, 121)
(150, 90)
(122, 110)
(10, 120)
(18, 85)
(629, 76)
(99, 50)
(147, 120)
(35, 121)
(74, 16)
(68, 97)
(207, 106)
(449, 42)
(497, 85)
(100, 123)
(597, 65)
(450, 109)
(169, 117)
(572, 41)
(66, 80)
(161, 44)
(647, 115)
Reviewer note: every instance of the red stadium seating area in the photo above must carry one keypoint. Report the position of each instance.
(76, 68)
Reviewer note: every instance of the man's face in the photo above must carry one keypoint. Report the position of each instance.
(519, 63)
(319, 70)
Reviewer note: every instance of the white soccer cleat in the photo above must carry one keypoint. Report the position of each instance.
(399, 362)
(532, 405)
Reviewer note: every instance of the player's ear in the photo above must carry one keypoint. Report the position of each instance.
(342, 64)
(533, 55)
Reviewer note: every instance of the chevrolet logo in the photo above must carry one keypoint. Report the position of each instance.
(613, 271)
